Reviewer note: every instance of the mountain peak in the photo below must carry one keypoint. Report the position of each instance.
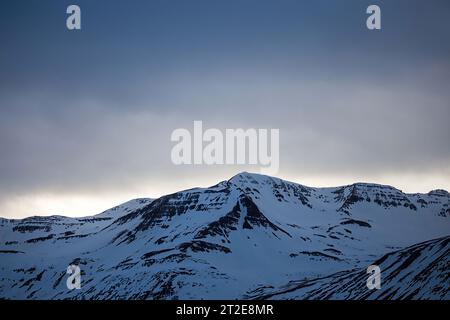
(254, 179)
(245, 176)
(439, 193)
(374, 187)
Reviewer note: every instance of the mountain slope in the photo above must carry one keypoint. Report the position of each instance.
(218, 242)
(421, 271)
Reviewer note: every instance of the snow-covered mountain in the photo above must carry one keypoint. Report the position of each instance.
(250, 236)
(421, 271)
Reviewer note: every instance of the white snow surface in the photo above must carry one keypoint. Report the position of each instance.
(241, 238)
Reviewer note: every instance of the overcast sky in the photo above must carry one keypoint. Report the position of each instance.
(86, 116)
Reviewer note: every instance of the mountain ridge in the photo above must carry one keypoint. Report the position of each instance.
(435, 192)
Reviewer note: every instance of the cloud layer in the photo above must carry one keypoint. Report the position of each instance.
(88, 115)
